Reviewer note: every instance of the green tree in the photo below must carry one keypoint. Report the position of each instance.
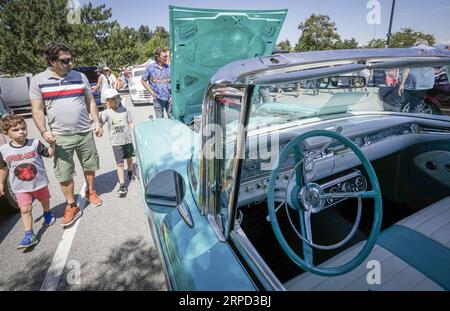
(346, 44)
(144, 34)
(160, 39)
(89, 39)
(376, 43)
(318, 32)
(25, 27)
(284, 45)
(407, 37)
(122, 49)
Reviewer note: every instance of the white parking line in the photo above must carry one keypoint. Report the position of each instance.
(62, 252)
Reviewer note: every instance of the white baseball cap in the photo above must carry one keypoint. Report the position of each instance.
(110, 93)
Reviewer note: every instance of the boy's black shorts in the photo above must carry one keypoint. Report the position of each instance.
(123, 152)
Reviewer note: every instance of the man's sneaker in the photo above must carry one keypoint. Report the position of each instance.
(28, 240)
(71, 214)
(49, 218)
(93, 198)
(122, 190)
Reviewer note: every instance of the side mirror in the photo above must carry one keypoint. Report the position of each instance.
(165, 191)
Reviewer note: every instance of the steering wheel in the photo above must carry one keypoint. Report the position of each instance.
(308, 198)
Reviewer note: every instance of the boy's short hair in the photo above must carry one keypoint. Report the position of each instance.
(10, 122)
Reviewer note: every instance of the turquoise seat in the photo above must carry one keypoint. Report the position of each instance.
(414, 254)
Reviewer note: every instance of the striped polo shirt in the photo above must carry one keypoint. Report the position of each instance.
(64, 98)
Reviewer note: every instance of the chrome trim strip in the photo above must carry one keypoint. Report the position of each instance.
(239, 159)
(160, 253)
(244, 245)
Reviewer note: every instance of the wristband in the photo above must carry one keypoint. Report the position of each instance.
(42, 132)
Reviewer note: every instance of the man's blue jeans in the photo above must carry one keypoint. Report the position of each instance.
(160, 105)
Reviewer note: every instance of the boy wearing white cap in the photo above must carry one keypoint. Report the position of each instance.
(120, 123)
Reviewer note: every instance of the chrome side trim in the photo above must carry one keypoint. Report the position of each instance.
(246, 248)
(239, 159)
(160, 253)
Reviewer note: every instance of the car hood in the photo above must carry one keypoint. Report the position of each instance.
(203, 40)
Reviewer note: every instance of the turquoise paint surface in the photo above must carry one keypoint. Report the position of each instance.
(203, 40)
(195, 259)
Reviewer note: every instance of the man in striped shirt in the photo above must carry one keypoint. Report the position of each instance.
(66, 95)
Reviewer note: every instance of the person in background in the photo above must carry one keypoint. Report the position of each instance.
(392, 77)
(27, 175)
(416, 81)
(156, 80)
(120, 124)
(106, 81)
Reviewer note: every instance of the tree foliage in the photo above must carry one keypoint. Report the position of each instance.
(160, 39)
(407, 37)
(318, 32)
(404, 38)
(376, 43)
(284, 45)
(346, 44)
(144, 34)
(26, 26)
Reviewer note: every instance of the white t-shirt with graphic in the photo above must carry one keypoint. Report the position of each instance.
(119, 130)
(26, 166)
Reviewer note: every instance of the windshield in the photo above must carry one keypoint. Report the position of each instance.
(407, 90)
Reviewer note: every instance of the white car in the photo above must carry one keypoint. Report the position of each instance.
(138, 94)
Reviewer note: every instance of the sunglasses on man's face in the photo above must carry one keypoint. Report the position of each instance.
(66, 61)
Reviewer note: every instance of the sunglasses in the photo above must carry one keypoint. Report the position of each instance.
(66, 61)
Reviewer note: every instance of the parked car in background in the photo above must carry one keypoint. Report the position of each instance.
(15, 93)
(138, 94)
(301, 193)
(10, 198)
(91, 73)
(436, 101)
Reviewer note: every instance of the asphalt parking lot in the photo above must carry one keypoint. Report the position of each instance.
(109, 248)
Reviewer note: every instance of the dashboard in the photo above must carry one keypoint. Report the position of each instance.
(332, 165)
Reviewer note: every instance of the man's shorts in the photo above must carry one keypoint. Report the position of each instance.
(123, 152)
(26, 198)
(84, 146)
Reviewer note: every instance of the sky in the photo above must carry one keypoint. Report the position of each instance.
(350, 16)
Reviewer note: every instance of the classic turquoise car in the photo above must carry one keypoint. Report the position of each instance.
(273, 190)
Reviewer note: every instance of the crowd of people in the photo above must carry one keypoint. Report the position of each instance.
(73, 119)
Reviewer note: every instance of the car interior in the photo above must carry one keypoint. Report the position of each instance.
(411, 159)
